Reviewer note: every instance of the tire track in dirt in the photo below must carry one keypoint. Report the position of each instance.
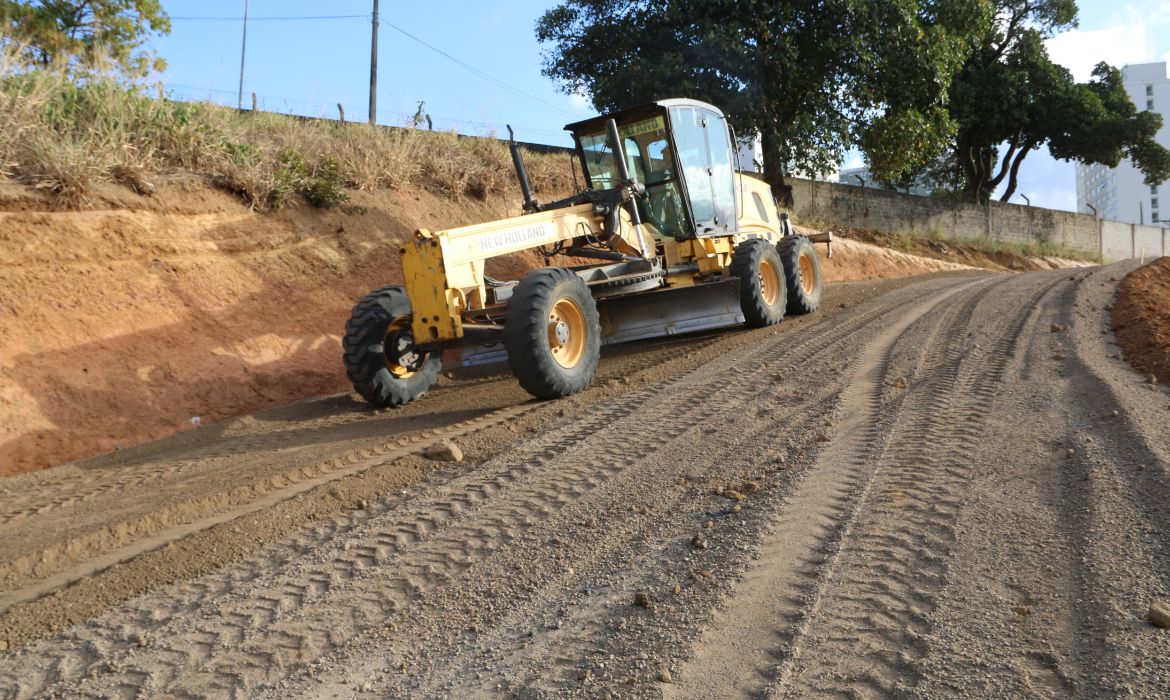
(53, 494)
(302, 480)
(556, 664)
(739, 651)
(551, 662)
(119, 541)
(257, 632)
(875, 595)
(1060, 545)
(1117, 487)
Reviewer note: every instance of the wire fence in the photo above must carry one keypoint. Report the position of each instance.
(319, 110)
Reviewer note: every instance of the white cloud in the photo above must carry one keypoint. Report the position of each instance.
(579, 102)
(1050, 183)
(1080, 50)
(853, 159)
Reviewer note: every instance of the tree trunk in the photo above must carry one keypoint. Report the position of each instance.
(977, 164)
(774, 171)
(771, 103)
(1015, 172)
(968, 163)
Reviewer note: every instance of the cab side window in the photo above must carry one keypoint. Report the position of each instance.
(691, 138)
(704, 151)
(722, 171)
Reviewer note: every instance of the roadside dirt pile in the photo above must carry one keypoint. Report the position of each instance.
(853, 260)
(144, 316)
(1141, 318)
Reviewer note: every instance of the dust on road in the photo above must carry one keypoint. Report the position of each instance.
(951, 486)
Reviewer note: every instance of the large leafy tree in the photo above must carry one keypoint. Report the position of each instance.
(76, 32)
(811, 77)
(1010, 99)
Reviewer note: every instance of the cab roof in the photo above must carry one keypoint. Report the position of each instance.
(644, 110)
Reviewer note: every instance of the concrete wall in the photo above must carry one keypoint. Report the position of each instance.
(1148, 242)
(1116, 240)
(884, 210)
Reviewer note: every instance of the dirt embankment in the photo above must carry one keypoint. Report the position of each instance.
(141, 317)
(1141, 318)
(963, 252)
(128, 323)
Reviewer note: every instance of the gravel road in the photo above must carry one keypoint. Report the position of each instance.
(949, 486)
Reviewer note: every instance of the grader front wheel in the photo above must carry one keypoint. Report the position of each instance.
(379, 356)
(552, 333)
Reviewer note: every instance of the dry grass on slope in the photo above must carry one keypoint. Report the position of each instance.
(65, 134)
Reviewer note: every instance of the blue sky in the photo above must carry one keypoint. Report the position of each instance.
(309, 66)
(306, 67)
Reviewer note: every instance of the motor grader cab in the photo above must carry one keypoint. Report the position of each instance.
(678, 242)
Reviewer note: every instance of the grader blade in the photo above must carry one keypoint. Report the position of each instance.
(641, 316)
(670, 312)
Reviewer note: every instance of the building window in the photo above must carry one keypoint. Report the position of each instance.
(1149, 105)
(1149, 91)
(1153, 189)
(1153, 203)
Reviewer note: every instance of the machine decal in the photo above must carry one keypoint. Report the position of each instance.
(643, 127)
(516, 236)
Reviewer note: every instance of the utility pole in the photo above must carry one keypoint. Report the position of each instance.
(243, 53)
(374, 69)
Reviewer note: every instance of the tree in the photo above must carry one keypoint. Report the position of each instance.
(1010, 99)
(811, 77)
(79, 32)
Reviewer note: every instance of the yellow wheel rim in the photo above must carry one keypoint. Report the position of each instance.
(396, 369)
(808, 276)
(566, 333)
(769, 282)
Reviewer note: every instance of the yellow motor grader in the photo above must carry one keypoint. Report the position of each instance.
(682, 241)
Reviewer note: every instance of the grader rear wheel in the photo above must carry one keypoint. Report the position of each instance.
(552, 333)
(762, 288)
(802, 268)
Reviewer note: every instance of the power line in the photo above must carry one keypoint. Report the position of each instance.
(462, 64)
(478, 72)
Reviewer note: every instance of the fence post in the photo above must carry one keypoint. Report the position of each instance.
(253, 102)
(341, 110)
(1133, 240)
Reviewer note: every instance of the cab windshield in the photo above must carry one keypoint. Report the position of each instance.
(650, 160)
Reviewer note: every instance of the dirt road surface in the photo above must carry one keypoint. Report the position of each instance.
(943, 487)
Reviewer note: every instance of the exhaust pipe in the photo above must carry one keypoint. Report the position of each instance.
(530, 205)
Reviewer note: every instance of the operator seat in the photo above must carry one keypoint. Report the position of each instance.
(664, 206)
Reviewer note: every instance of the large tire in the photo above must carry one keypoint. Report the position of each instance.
(375, 376)
(762, 290)
(802, 269)
(552, 333)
